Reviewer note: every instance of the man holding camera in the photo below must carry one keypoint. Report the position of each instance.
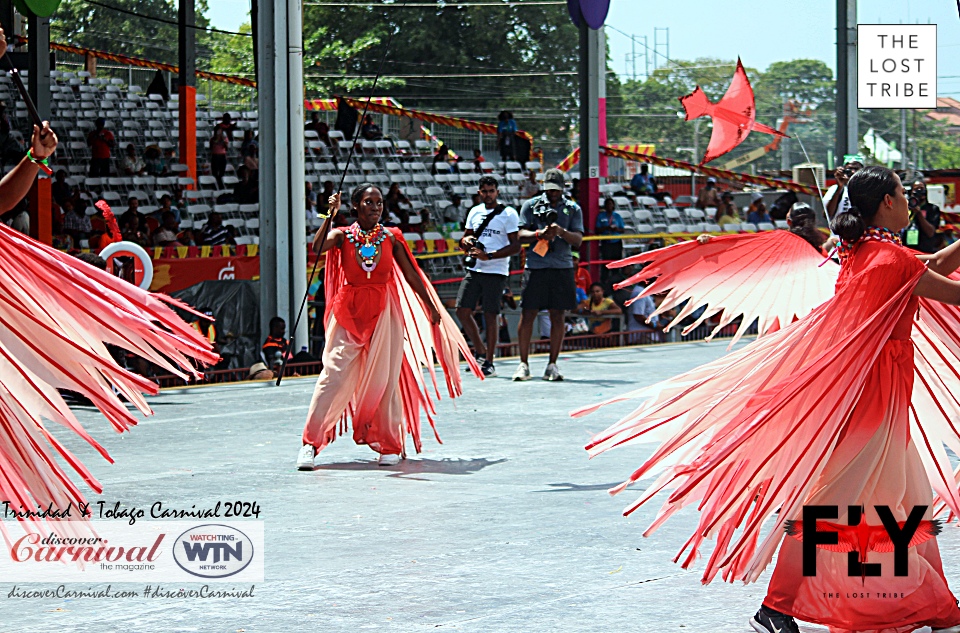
(836, 197)
(554, 225)
(489, 240)
(921, 234)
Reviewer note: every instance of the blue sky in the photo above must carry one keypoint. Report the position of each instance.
(759, 31)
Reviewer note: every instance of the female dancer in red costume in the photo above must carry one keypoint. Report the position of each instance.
(824, 411)
(382, 318)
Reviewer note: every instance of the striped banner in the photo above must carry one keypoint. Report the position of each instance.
(637, 148)
(386, 105)
(146, 63)
(711, 171)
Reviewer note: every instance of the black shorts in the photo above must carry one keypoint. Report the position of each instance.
(484, 287)
(550, 289)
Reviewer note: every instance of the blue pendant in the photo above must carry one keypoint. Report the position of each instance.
(368, 251)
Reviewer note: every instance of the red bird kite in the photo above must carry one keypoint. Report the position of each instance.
(734, 116)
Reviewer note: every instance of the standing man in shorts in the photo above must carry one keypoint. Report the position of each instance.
(553, 223)
(489, 240)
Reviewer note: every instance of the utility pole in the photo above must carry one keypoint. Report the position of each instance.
(187, 86)
(847, 132)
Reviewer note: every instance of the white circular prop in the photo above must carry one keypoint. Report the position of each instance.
(142, 274)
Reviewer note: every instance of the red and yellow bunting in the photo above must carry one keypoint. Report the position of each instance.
(637, 148)
(711, 171)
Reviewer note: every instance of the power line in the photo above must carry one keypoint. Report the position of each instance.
(208, 29)
(426, 5)
(447, 76)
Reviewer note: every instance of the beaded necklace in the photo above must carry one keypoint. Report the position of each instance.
(366, 244)
(873, 233)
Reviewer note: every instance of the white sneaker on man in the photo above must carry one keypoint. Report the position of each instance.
(389, 460)
(522, 373)
(305, 458)
(552, 374)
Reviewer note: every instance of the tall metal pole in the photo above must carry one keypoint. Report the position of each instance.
(283, 267)
(590, 86)
(187, 86)
(903, 138)
(847, 132)
(38, 85)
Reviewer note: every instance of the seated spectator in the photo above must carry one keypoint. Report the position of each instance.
(133, 204)
(165, 207)
(276, 344)
(133, 228)
(399, 205)
(455, 213)
(758, 212)
(169, 160)
(324, 197)
(153, 161)
(214, 233)
(709, 196)
(598, 305)
(246, 191)
(310, 198)
(131, 164)
(251, 160)
(166, 234)
(248, 138)
(530, 186)
(232, 235)
(639, 311)
(478, 161)
(442, 161)
(582, 278)
(609, 223)
(320, 127)
(727, 212)
(370, 130)
(643, 184)
(60, 189)
(76, 225)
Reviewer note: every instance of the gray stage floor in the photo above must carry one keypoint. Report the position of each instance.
(504, 527)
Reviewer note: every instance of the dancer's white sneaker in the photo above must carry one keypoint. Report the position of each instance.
(305, 458)
(523, 372)
(552, 374)
(389, 460)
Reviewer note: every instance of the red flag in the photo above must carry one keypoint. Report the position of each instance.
(734, 116)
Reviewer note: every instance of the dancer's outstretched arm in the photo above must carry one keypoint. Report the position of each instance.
(935, 286)
(17, 183)
(945, 261)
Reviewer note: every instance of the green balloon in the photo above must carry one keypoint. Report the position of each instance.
(39, 8)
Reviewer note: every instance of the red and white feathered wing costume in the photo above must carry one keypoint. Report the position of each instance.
(56, 315)
(850, 404)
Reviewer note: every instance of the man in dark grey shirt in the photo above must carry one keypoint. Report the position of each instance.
(554, 225)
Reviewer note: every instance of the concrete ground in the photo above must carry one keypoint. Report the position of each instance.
(504, 527)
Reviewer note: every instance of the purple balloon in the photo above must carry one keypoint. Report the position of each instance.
(594, 12)
(573, 6)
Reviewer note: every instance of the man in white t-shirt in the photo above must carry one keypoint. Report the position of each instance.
(489, 240)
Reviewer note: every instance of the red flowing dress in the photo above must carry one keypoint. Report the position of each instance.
(378, 341)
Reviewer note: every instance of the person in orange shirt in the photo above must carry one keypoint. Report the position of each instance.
(583, 279)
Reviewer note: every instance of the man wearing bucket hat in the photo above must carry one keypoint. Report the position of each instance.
(553, 224)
